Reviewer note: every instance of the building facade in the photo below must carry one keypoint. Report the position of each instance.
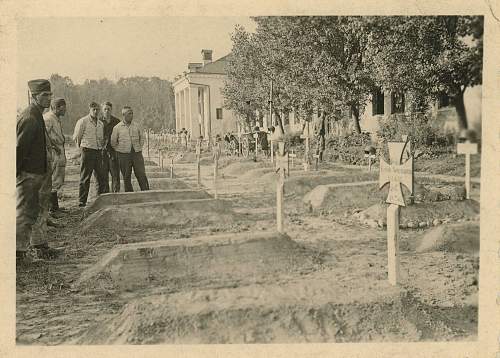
(198, 99)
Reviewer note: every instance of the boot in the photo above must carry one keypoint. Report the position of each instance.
(54, 202)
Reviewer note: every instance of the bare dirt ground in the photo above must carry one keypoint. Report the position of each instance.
(336, 292)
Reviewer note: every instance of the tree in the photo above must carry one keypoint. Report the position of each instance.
(428, 55)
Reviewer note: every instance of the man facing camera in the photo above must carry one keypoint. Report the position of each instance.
(127, 140)
(89, 137)
(110, 159)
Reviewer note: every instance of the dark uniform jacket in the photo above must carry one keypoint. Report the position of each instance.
(108, 129)
(31, 146)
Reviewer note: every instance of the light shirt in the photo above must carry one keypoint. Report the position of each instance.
(55, 133)
(127, 138)
(89, 133)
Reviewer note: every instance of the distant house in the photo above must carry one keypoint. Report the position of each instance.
(198, 98)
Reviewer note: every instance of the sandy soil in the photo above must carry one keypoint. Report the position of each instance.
(337, 291)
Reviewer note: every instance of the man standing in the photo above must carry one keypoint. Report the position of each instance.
(57, 139)
(31, 164)
(110, 158)
(89, 137)
(127, 140)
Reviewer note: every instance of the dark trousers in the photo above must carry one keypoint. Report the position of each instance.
(134, 160)
(28, 187)
(91, 162)
(110, 166)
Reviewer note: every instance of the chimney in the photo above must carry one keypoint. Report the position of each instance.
(206, 56)
(194, 66)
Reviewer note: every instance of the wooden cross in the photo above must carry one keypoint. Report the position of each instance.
(216, 154)
(395, 174)
(306, 135)
(468, 149)
(256, 136)
(316, 156)
(370, 157)
(172, 167)
(281, 169)
(198, 155)
(292, 155)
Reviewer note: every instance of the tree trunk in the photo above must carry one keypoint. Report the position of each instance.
(460, 107)
(355, 118)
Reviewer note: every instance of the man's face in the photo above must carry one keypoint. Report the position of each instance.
(128, 116)
(43, 99)
(106, 111)
(61, 110)
(94, 111)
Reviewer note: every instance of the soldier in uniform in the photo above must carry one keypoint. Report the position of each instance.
(57, 140)
(31, 169)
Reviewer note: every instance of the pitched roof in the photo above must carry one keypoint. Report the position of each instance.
(218, 66)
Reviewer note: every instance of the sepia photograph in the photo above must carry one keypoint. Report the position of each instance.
(249, 180)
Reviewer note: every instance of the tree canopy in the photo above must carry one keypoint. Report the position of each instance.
(335, 63)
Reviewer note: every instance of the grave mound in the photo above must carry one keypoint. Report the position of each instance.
(162, 184)
(458, 237)
(207, 261)
(113, 199)
(160, 174)
(300, 312)
(158, 215)
(241, 167)
(341, 196)
(424, 214)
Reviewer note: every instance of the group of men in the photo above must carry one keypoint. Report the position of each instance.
(107, 146)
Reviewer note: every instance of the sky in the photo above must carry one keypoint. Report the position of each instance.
(92, 48)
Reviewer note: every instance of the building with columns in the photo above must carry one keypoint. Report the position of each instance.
(199, 101)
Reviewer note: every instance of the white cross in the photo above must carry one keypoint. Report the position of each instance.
(468, 149)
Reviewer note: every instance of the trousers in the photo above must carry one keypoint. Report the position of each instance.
(129, 161)
(28, 187)
(39, 231)
(90, 163)
(111, 166)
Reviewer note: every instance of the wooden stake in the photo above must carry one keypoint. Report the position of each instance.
(316, 156)
(281, 167)
(272, 152)
(393, 243)
(467, 149)
(172, 168)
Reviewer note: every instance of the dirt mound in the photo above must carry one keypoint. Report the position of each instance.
(344, 195)
(428, 193)
(315, 312)
(459, 237)
(411, 216)
(166, 214)
(162, 184)
(239, 168)
(207, 261)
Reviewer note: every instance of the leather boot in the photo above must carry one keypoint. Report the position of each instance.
(54, 202)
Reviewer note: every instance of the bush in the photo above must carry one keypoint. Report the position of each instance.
(348, 149)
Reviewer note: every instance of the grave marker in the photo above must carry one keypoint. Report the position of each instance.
(281, 169)
(172, 167)
(306, 134)
(395, 174)
(292, 156)
(256, 136)
(316, 156)
(198, 155)
(468, 149)
(216, 154)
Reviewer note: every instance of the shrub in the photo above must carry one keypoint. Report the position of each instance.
(347, 149)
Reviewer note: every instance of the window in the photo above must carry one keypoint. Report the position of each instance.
(443, 100)
(218, 113)
(377, 102)
(398, 103)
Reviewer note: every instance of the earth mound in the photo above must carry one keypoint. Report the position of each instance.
(459, 237)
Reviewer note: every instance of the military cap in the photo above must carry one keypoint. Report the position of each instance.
(37, 86)
(93, 105)
(58, 101)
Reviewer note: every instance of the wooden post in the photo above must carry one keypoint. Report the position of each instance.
(216, 155)
(160, 160)
(172, 168)
(147, 139)
(395, 174)
(272, 151)
(281, 168)
(292, 155)
(316, 156)
(198, 169)
(393, 243)
(256, 136)
(467, 148)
